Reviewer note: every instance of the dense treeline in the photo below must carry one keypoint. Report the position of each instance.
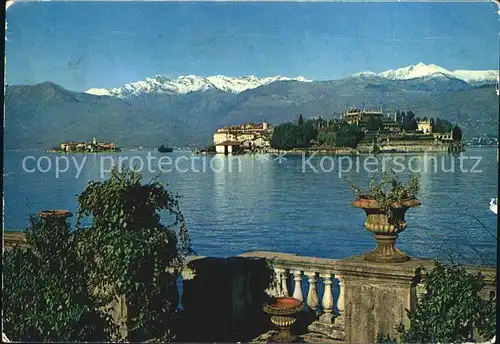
(306, 133)
(410, 122)
(335, 133)
(341, 135)
(290, 135)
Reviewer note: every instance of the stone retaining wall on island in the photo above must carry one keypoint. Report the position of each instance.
(411, 147)
(309, 151)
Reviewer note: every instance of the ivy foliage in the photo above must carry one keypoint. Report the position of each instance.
(62, 287)
(131, 249)
(453, 310)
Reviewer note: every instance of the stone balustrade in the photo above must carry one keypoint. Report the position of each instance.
(347, 299)
(371, 298)
(312, 280)
(13, 238)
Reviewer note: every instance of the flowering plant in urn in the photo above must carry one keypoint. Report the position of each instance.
(385, 205)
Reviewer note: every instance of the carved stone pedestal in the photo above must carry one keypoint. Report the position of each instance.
(376, 296)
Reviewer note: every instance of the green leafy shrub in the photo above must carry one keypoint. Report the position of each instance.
(129, 248)
(46, 295)
(453, 309)
(62, 286)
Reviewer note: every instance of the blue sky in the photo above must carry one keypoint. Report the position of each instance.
(81, 45)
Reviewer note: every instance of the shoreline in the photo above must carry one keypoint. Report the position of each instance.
(126, 150)
(360, 152)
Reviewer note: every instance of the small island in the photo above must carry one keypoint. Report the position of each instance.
(94, 147)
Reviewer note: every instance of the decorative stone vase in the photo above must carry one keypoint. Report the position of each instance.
(283, 315)
(386, 231)
(55, 214)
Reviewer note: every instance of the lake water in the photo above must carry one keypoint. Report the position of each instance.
(292, 205)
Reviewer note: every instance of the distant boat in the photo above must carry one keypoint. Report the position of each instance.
(493, 205)
(163, 149)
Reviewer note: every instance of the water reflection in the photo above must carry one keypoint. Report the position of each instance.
(273, 206)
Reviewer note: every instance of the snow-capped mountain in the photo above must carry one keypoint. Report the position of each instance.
(421, 70)
(190, 83)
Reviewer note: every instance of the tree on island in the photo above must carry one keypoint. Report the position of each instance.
(457, 133)
(61, 286)
(409, 121)
(285, 136)
(341, 135)
(442, 126)
(398, 116)
(289, 135)
(300, 121)
(374, 124)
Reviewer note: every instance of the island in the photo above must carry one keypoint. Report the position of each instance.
(356, 131)
(93, 147)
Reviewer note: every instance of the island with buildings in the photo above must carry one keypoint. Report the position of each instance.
(90, 147)
(248, 137)
(403, 132)
(357, 131)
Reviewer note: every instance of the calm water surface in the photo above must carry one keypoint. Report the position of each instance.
(267, 205)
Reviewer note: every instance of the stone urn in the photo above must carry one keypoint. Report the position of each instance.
(386, 228)
(63, 214)
(283, 312)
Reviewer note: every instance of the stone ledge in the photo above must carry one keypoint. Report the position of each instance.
(330, 331)
(293, 261)
(310, 337)
(388, 273)
(13, 238)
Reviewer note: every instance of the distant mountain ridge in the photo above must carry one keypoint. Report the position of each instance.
(422, 70)
(189, 83)
(192, 83)
(41, 116)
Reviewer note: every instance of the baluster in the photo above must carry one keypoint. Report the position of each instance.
(297, 290)
(274, 290)
(340, 301)
(421, 291)
(284, 281)
(312, 294)
(327, 301)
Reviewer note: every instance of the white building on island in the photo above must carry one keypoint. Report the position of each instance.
(245, 137)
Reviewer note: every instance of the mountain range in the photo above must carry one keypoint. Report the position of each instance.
(186, 110)
(189, 83)
(192, 83)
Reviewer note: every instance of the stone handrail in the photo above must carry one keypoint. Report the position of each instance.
(13, 238)
(342, 295)
(339, 324)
